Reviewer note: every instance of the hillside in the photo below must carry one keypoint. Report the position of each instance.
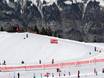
(15, 47)
(69, 56)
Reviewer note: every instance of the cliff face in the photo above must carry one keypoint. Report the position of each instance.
(83, 21)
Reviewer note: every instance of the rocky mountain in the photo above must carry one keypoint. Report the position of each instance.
(71, 19)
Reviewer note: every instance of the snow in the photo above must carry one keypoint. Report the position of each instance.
(67, 2)
(38, 47)
(100, 45)
(50, 2)
(15, 47)
(101, 2)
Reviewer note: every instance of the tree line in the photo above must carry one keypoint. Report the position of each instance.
(43, 30)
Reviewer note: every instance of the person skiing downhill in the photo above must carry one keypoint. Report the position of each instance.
(78, 74)
(95, 49)
(26, 35)
(95, 71)
(52, 61)
(40, 62)
(34, 76)
(4, 62)
(69, 74)
(18, 75)
(22, 62)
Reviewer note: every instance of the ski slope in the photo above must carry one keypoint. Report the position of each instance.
(14, 48)
(69, 56)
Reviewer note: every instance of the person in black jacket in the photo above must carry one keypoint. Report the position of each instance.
(4, 62)
(18, 75)
(40, 62)
(52, 61)
(22, 62)
(78, 74)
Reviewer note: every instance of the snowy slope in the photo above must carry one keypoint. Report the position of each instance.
(14, 48)
(100, 45)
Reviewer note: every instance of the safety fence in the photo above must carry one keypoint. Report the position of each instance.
(5, 68)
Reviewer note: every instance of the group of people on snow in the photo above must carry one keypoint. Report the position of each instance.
(3, 63)
(96, 50)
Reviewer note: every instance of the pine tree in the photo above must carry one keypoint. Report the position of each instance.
(11, 1)
(43, 31)
(94, 39)
(54, 33)
(36, 29)
(2, 29)
(49, 31)
(59, 36)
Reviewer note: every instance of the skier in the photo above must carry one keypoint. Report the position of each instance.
(59, 74)
(34, 76)
(89, 53)
(40, 62)
(64, 74)
(52, 61)
(4, 63)
(95, 72)
(95, 49)
(78, 74)
(58, 70)
(18, 75)
(69, 73)
(47, 74)
(22, 62)
(52, 74)
(100, 51)
(26, 35)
